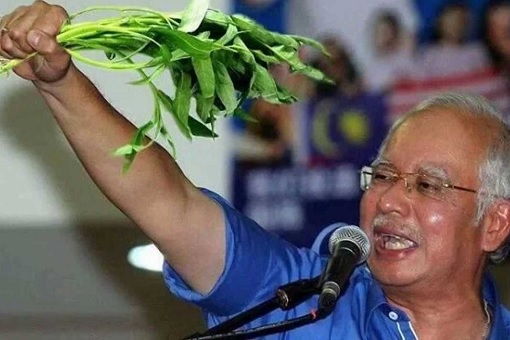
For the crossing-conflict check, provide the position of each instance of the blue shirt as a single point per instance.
(258, 263)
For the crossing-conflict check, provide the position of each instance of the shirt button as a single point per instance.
(393, 316)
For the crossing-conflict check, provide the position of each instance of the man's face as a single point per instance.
(417, 240)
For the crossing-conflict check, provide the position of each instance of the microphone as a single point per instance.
(349, 246)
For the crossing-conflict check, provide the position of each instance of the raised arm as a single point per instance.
(185, 224)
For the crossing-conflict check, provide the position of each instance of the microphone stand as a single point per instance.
(287, 297)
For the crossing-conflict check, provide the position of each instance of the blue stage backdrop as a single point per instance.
(296, 171)
(298, 199)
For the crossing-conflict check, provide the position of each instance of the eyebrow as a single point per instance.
(382, 161)
(435, 170)
(431, 169)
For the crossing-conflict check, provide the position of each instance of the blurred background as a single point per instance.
(63, 246)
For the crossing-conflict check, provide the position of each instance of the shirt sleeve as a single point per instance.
(257, 263)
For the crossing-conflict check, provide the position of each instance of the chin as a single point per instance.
(393, 274)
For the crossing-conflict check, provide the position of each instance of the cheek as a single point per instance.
(435, 220)
(367, 211)
(437, 228)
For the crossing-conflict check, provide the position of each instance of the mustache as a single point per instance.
(406, 228)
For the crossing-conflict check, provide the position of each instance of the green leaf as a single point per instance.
(110, 55)
(292, 58)
(270, 59)
(186, 42)
(199, 129)
(225, 89)
(109, 65)
(204, 35)
(218, 17)
(166, 55)
(145, 80)
(138, 139)
(285, 96)
(169, 106)
(204, 107)
(127, 150)
(228, 36)
(255, 30)
(182, 100)
(205, 74)
(265, 85)
(248, 58)
(311, 42)
(193, 15)
(284, 39)
(163, 131)
(243, 51)
(179, 55)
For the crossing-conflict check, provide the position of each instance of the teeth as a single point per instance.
(394, 242)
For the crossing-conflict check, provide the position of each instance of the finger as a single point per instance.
(17, 27)
(44, 43)
(45, 26)
(52, 20)
(3, 33)
(10, 49)
(47, 47)
(3, 53)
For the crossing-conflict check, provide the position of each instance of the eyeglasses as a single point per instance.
(378, 177)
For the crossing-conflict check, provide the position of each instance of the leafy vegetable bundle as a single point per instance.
(216, 59)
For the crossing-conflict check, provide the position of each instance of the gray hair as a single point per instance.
(494, 171)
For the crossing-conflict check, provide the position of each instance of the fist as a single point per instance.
(30, 32)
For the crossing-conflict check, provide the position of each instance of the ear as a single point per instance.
(496, 225)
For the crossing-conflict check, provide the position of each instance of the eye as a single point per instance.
(430, 185)
(383, 176)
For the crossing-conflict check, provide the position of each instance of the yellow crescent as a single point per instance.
(321, 139)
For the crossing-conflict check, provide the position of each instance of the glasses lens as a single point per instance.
(381, 176)
(430, 186)
(426, 185)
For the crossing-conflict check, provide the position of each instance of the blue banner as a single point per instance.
(297, 201)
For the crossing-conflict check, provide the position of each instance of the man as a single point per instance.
(436, 206)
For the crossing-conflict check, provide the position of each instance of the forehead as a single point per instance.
(440, 138)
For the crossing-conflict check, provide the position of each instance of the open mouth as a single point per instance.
(394, 242)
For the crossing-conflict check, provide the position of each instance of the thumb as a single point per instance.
(43, 43)
(52, 61)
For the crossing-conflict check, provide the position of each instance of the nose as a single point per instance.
(396, 198)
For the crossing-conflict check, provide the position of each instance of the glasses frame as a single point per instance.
(368, 171)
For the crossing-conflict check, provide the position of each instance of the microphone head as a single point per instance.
(353, 234)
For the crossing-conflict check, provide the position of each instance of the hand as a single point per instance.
(34, 28)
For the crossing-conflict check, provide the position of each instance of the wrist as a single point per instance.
(63, 84)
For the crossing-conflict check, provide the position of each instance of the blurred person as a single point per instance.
(268, 140)
(496, 33)
(339, 67)
(450, 52)
(436, 208)
(392, 52)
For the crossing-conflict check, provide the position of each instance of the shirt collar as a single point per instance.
(376, 300)
(490, 294)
